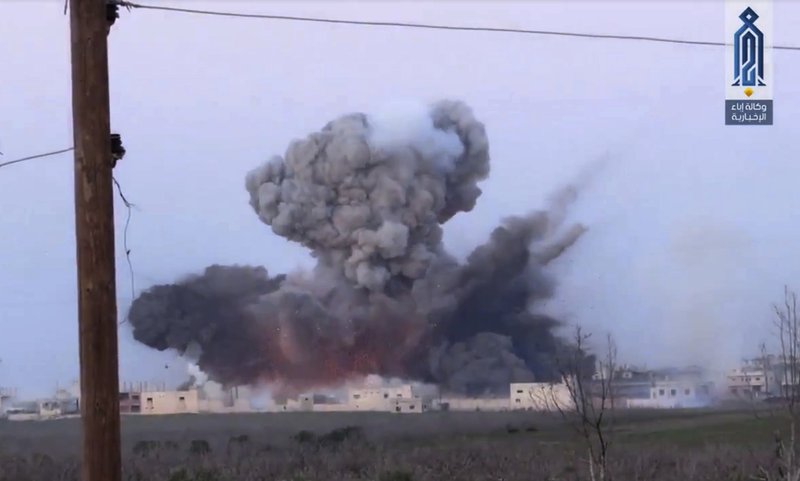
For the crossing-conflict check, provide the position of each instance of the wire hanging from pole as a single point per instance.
(132, 5)
(38, 156)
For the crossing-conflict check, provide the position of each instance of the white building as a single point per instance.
(170, 402)
(674, 394)
(472, 404)
(396, 399)
(378, 398)
(6, 395)
(754, 378)
(540, 396)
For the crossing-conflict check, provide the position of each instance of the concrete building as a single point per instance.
(417, 404)
(43, 409)
(170, 402)
(146, 398)
(471, 404)
(630, 382)
(23, 411)
(234, 400)
(764, 377)
(755, 378)
(6, 396)
(378, 398)
(130, 402)
(537, 396)
(668, 394)
(395, 399)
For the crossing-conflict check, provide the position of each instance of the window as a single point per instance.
(673, 392)
(397, 409)
(411, 408)
(660, 392)
(356, 396)
(758, 379)
(385, 395)
(686, 392)
(517, 401)
(149, 403)
(519, 391)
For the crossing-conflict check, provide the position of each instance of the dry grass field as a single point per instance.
(514, 446)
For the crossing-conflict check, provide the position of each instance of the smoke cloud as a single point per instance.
(368, 195)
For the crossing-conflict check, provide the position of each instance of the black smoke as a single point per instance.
(367, 195)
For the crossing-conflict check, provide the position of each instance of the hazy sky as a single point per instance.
(694, 227)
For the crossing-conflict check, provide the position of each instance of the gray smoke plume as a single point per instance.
(367, 195)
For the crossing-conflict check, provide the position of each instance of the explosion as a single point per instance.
(368, 195)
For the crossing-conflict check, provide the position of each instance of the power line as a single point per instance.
(130, 5)
(38, 156)
(129, 206)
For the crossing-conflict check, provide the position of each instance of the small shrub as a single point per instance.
(305, 437)
(199, 447)
(180, 474)
(144, 448)
(511, 429)
(396, 476)
(241, 439)
(340, 435)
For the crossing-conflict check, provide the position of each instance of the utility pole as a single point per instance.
(94, 230)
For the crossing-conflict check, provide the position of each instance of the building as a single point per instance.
(630, 382)
(395, 399)
(146, 398)
(130, 402)
(58, 407)
(170, 402)
(378, 398)
(540, 396)
(472, 404)
(141, 399)
(659, 388)
(753, 378)
(6, 395)
(416, 404)
(234, 400)
(668, 394)
(23, 411)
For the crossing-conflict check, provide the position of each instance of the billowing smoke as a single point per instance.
(368, 197)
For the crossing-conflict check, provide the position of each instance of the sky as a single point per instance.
(693, 227)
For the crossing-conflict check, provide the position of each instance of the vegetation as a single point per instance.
(514, 446)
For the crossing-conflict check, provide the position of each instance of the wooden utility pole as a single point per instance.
(94, 228)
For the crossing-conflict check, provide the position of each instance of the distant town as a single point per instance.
(762, 379)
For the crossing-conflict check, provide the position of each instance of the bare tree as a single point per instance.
(589, 407)
(788, 333)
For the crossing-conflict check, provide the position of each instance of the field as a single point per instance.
(514, 446)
